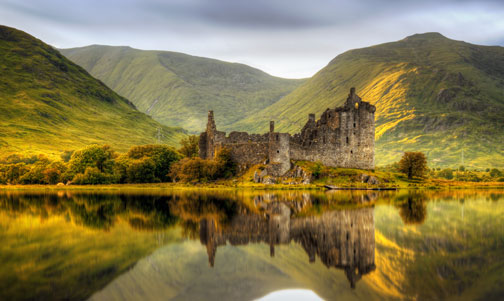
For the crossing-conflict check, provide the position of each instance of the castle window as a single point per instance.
(351, 151)
(354, 125)
(278, 151)
(347, 140)
(278, 137)
(323, 140)
(356, 105)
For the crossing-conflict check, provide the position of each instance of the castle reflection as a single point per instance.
(342, 239)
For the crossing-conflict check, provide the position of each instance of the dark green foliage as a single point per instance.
(495, 173)
(96, 157)
(446, 173)
(161, 157)
(92, 176)
(190, 146)
(142, 171)
(226, 167)
(413, 164)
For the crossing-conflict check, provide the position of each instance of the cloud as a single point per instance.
(290, 38)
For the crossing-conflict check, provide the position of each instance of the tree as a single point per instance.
(414, 210)
(190, 146)
(461, 168)
(413, 164)
(161, 156)
(96, 156)
(494, 173)
(142, 171)
(446, 173)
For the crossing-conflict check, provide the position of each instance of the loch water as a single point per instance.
(248, 245)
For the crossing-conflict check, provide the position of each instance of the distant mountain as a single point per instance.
(432, 94)
(49, 104)
(178, 89)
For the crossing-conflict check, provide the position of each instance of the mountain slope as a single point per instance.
(433, 94)
(49, 104)
(178, 89)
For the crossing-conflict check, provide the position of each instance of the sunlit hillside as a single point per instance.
(49, 104)
(433, 94)
(178, 89)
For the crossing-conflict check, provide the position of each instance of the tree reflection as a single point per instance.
(413, 210)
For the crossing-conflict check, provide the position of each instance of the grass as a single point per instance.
(178, 89)
(432, 94)
(49, 104)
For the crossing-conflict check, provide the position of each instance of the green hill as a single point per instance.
(433, 94)
(178, 89)
(49, 104)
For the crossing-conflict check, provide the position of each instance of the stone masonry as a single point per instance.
(342, 137)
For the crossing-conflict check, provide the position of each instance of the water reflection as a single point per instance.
(342, 239)
(73, 245)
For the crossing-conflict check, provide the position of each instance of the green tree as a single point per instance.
(413, 164)
(446, 173)
(161, 156)
(142, 171)
(190, 146)
(95, 156)
(495, 173)
(461, 168)
(226, 167)
(91, 175)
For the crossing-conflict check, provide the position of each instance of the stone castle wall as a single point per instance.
(342, 137)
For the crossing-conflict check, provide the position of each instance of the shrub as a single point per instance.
(194, 170)
(495, 173)
(190, 146)
(226, 167)
(51, 175)
(91, 175)
(446, 173)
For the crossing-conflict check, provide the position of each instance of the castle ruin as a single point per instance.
(342, 137)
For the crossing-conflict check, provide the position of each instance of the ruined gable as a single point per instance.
(342, 137)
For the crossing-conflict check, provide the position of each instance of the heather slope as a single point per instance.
(178, 89)
(49, 104)
(433, 94)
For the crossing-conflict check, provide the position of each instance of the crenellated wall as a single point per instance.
(342, 137)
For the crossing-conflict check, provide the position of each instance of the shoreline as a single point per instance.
(249, 186)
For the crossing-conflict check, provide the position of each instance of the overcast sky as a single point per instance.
(288, 38)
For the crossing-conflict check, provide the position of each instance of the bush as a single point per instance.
(446, 173)
(91, 175)
(226, 167)
(51, 176)
(194, 170)
(190, 146)
(495, 173)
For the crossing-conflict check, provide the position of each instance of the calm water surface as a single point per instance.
(244, 245)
